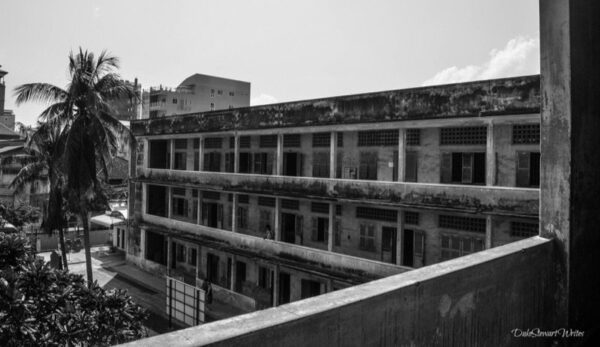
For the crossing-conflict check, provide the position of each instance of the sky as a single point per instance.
(288, 50)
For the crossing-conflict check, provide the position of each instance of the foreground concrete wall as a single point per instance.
(471, 301)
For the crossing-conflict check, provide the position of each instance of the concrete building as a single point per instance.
(354, 188)
(197, 93)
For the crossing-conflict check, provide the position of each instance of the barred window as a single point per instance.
(213, 142)
(411, 217)
(526, 134)
(266, 201)
(268, 141)
(321, 140)
(181, 144)
(211, 195)
(456, 246)
(338, 210)
(340, 139)
(291, 140)
(524, 229)
(290, 204)
(462, 223)
(367, 237)
(463, 136)
(242, 217)
(319, 207)
(179, 191)
(232, 142)
(243, 199)
(196, 144)
(244, 141)
(376, 214)
(413, 137)
(378, 138)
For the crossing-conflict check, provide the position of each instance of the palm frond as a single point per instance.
(42, 92)
(28, 174)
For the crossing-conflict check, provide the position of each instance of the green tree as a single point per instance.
(43, 306)
(19, 215)
(84, 108)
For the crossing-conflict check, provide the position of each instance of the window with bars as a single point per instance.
(456, 246)
(229, 162)
(376, 214)
(243, 199)
(463, 136)
(268, 141)
(208, 195)
(212, 161)
(319, 207)
(320, 167)
(291, 140)
(526, 134)
(263, 163)
(290, 204)
(213, 142)
(413, 137)
(524, 229)
(245, 141)
(367, 238)
(242, 217)
(232, 142)
(340, 139)
(378, 138)
(321, 139)
(411, 217)
(266, 201)
(338, 210)
(462, 223)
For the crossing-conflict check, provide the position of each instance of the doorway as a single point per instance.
(288, 227)
(284, 288)
(388, 244)
(292, 164)
(408, 248)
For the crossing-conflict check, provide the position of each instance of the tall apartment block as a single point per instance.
(197, 93)
(353, 188)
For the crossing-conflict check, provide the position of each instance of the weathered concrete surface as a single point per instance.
(570, 168)
(496, 200)
(517, 95)
(470, 301)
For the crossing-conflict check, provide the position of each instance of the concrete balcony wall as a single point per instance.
(466, 198)
(475, 300)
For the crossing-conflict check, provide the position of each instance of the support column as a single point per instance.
(199, 207)
(234, 211)
(276, 286)
(399, 237)
(233, 276)
(331, 226)
(490, 157)
(171, 154)
(143, 243)
(570, 163)
(401, 155)
(332, 154)
(198, 260)
(279, 170)
(277, 219)
(236, 154)
(488, 232)
(201, 154)
(169, 202)
(169, 254)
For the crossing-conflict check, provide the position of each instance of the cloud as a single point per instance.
(263, 99)
(520, 56)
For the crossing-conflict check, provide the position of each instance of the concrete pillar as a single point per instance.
(236, 154)
(331, 226)
(570, 163)
(234, 212)
(276, 286)
(488, 231)
(279, 170)
(199, 207)
(401, 155)
(399, 237)
(143, 243)
(277, 228)
(169, 254)
(201, 154)
(332, 154)
(233, 275)
(490, 157)
(169, 202)
(198, 260)
(171, 154)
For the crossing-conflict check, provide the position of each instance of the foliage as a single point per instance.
(19, 215)
(43, 306)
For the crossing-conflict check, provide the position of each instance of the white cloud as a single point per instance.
(520, 56)
(263, 99)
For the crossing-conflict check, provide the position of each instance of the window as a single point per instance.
(219, 92)
(245, 141)
(367, 237)
(210, 195)
(179, 203)
(180, 253)
(196, 154)
(264, 277)
(157, 200)
(175, 101)
(319, 207)
(264, 219)
(411, 217)
(232, 142)
(526, 134)
(466, 168)
(340, 139)
(231, 94)
(213, 143)
(413, 137)
(212, 93)
(268, 141)
(290, 204)
(158, 154)
(193, 256)
(180, 155)
(321, 139)
(378, 138)
(309, 288)
(229, 162)
(291, 140)
(320, 227)
(367, 166)
(376, 214)
(212, 161)
(456, 246)
(524, 229)
(242, 198)
(462, 223)
(263, 163)
(412, 168)
(463, 136)
(245, 164)
(212, 106)
(320, 164)
(528, 169)
(242, 217)
(266, 201)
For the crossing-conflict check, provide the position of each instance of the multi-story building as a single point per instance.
(353, 188)
(197, 93)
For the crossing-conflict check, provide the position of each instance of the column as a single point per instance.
(171, 154)
(142, 243)
(199, 206)
(169, 202)
(332, 154)
(277, 219)
(236, 155)
(331, 226)
(234, 211)
(198, 260)
(490, 157)
(279, 170)
(488, 231)
(276, 286)
(201, 153)
(169, 255)
(399, 236)
(401, 155)
(233, 275)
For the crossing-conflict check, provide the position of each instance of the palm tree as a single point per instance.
(92, 131)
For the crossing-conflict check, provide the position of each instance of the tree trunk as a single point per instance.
(61, 239)
(86, 246)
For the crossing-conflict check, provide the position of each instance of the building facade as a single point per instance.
(353, 188)
(197, 93)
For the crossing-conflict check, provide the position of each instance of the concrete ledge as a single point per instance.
(451, 303)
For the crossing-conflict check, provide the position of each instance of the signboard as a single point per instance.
(185, 302)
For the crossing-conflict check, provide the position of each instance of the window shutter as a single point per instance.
(446, 168)
(523, 169)
(371, 238)
(467, 168)
(206, 162)
(411, 166)
(395, 168)
(299, 227)
(270, 159)
(204, 214)
(315, 229)
(337, 232)
(419, 248)
(257, 163)
(299, 164)
(217, 160)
